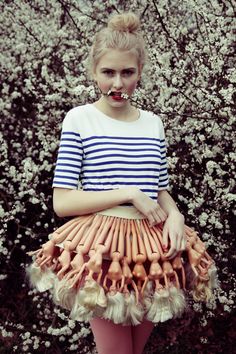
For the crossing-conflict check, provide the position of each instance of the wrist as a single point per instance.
(176, 213)
(131, 194)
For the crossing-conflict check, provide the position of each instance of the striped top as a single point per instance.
(99, 153)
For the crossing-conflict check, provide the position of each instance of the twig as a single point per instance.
(163, 24)
(204, 20)
(199, 29)
(231, 3)
(90, 16)
(143, 13)
(23, 24)
(12, 327)
(70, 16)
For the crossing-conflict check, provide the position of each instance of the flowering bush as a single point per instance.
(189, 81)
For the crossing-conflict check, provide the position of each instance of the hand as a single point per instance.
(148, 207)
(173, 234)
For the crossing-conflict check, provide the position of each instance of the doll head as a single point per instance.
(92, 295)
(122, 33)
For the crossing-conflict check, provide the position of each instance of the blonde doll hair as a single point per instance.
(121, 33)
(202, 291)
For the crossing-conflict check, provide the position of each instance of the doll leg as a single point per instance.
(140, 334)
(111, 338)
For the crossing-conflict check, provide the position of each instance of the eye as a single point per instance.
(108, 72)
(127, 72)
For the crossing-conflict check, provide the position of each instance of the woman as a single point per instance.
(124, 249)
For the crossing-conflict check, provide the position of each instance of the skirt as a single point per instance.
(112, 265)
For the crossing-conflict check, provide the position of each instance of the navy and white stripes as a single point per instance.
(107, 161)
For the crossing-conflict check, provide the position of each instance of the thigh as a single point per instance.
(111, 338)
(140, 335)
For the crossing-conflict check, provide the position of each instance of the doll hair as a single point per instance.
(62, 295)
(177, 301)
(133, 312)
(202, 291)
(90, 301)
(40, 277)
(160, 310)
(122, 33)
(115, 310)
(92, 295)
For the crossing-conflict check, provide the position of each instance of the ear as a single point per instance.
(94, 77)
(93, 73)
(140, 70)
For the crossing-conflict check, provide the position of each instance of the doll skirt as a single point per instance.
(112, 265)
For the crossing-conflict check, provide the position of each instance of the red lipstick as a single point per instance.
(117, 96)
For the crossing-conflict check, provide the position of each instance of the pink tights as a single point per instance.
(118, 339)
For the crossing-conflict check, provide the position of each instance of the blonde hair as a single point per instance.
(202, 291)
(122, 33)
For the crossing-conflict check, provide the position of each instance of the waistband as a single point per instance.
(127, 212)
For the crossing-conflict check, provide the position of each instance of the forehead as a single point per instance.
(118, 60)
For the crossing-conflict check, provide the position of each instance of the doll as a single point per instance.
(134, 309)
(116, 304)
(139, 256)
(159, 307)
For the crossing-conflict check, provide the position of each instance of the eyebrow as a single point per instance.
(121, 70)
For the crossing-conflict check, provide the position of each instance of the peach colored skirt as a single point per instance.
(112, 265)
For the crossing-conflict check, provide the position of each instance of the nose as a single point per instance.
(117, 82)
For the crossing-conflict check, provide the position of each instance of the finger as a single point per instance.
(154, 218)
(183, 244)
(172, 253)
(152, 221)
(178, 239)
(161, 213)
(158, 214)
(173, 246)
(165, 238)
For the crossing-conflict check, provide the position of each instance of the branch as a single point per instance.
(70, 16)
(78, 9)
(207, 32)
(231, 3)
(143, 13)
(23, 24)
(199, 28)
(163, 24)
(90, 16)
(4, 198)
(13, 328)
(192, 114)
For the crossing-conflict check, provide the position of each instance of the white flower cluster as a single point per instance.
(189, 81)
(5, 333)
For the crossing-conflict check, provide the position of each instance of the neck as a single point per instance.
(120, 113)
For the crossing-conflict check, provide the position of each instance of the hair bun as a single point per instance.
(127, 22)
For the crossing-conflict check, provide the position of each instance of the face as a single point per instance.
(117, 72)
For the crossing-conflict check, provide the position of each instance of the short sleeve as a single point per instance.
(163, 172)
(70, 155)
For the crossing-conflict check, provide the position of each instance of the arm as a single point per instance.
(173, 230)
(167, 202)
(71, 202)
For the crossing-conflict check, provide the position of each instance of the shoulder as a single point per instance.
(76, 112)
(152, 122)
(152, 118)
(75, 117)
